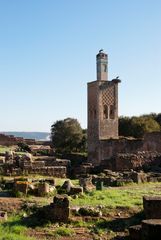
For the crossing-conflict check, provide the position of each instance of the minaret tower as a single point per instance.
(102, 66)
(102, 108)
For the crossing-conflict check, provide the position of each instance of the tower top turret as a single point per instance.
(101, 54)
(102, 65)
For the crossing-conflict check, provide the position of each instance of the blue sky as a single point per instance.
(47, 56)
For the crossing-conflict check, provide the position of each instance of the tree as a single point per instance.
(138, 126)
(155, 116)
(125, 126)
(142, 125)
(67, 135)
(23, 147)
(158, 118)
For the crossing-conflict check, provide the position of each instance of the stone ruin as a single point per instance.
(150, 228)
(42, 187)
(86, 183)
(70, 189)
(10, 140)
(13, 164)
(58, 210)
(109, 178)
(45, 188)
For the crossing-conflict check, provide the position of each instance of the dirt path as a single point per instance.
(10, 205)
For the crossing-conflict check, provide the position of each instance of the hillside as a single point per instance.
(30, 135)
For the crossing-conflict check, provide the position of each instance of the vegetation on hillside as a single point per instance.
(138, 126)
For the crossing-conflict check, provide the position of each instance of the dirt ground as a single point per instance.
(120, 215)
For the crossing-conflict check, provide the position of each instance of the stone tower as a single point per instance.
(102, 109)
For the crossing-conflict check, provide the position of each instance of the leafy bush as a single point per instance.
(24, 147)
(63, 231)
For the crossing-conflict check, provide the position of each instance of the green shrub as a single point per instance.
(18, 194)
(63, 231)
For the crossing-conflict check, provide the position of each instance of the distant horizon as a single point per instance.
(32, 131)
(25, 131)
(40, 136)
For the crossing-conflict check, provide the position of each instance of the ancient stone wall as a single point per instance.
(128, 153)
(9, 140)
(141, 160)
(152, 142)
(56, 171)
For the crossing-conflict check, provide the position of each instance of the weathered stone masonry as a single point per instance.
(104, 145)
(102, 109)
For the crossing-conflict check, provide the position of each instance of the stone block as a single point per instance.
(135, 232)
(67, 185)
(61, 200)
(21, 187)
(43, 189)
(76, 190)
(152, 207)
(151, 229)
(58, 211)
(86, 183)
(90, 211)
(139, 177)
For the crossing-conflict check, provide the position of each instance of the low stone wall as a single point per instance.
(9, 140)
(56, 171)
(82, 169)
(137, 161)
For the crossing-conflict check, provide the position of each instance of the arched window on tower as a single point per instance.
(105, 68)
(95, 114)
(112, 112)
(105, 111)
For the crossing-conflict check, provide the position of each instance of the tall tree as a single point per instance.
(67, 135)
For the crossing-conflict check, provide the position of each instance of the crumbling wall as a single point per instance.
(128, 153)
(137, 161)
(152, 142)
(56, 171)
(9, 140)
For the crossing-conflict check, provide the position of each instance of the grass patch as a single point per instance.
(63, 231)
(3, 149)
(127, 197)
(60, 181)
(13, 230)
